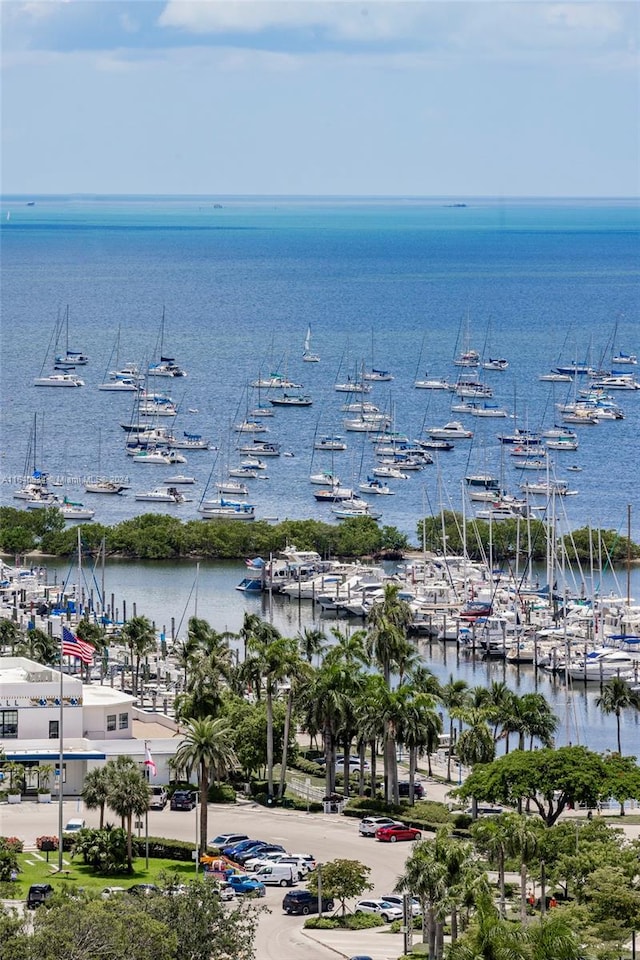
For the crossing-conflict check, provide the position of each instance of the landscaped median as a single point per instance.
(425, 815)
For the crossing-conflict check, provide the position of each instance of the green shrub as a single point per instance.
(221, 793)
(352, 921)
(462, 821)
(322, 923)
(307, 766)
(162, 849)
(396, 925)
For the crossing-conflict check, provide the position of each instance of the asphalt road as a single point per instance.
(280, 937)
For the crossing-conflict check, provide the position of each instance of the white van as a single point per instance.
(280, 874)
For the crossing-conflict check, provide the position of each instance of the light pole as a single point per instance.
(319, 869)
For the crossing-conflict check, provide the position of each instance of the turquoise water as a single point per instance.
(402, 284)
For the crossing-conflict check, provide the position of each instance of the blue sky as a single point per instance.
(305, 97)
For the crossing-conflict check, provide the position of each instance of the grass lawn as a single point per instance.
(76, 874)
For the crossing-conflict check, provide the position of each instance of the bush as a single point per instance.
(15, 844)
(162, 849)
(352, 921)
(221, 793)
(307, 767)
(462, 821)
(396, 925)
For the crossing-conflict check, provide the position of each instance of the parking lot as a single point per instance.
(280, 937)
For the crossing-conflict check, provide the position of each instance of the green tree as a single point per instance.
(549, 779)
(454, 697)
(491, 836)
(95, 790)
(523, 842)
(139, 637)
(425, 877)
(617, 696)
(10, 634)
(341, 880)
(39, 646)
(128, 796)
(207, 748)
(105, 850)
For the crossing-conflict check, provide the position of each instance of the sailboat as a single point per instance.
(70, 358)
(165, 366)
(307, 355)
(119, 381)
(100, 484)
(376, 375)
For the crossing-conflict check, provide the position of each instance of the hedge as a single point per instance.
(162, 849)
(352, 921)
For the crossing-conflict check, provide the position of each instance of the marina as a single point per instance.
(364, 413)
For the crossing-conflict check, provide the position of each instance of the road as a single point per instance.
(280, 937)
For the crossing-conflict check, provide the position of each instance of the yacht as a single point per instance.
(603, 664)
(374, 485)
(102, 485)
(330, 443)
(164, 494)
(222, 509)
(452, 430)
(59, 380)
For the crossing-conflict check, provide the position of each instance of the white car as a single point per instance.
(256, 862)
(383, 908)
(368, 825)
(397, 901)
(74, 825)
(301, 865)
(226, 892)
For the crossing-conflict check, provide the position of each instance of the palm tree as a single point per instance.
(454, 696)
(311, 643)
(616, 696)
(420, 727)
(325, 713)
(490, 938)
(140, 638)
(298, 673)
(476, 744)
(424, 877)
(10, 634)
(39, 646)
(128, 796)
(492, 838)
(207, 747)
(524, 837)
(388, 645)
(95, 791)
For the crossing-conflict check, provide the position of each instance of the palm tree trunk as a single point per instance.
(102, 806)
(346, 746)
(412, 773)
(450, 753)
(439, 939)
(503, 904)
(374, 766)
(328, 762)
(129, 843)
(269, 740)
(432, 933)
(523, 891)
(285, 744)
(361, 755)
(204, 810)
(618, 732)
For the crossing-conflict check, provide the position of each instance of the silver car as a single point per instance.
(368, 826)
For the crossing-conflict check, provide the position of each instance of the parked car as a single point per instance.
(75, 824)
(277, 874)
(419, 793)
(262, 860)
(304, 902)
(113, 891)
(158, 799)
(38, 895)
(143, 889)
(233, 848)
(301, 865)
(397, 901)
(368, 825)
(226, 839)
(386, 910)
(257, 851)
(241, 884)
(226, 891)
(183, 800)
(397, 832)
(485, 810)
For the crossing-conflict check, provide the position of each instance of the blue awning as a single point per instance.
(20, 757)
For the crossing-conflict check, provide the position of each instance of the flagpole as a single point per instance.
(60, 762)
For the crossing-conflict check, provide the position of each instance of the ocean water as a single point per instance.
(403, 285)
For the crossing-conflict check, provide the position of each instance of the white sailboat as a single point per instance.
(70, 358)
(308, 356)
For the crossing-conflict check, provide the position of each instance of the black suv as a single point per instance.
(418, 790)
(38, 894)
(301, 901)
(183, 800)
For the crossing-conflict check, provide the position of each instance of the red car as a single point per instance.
(397, 832)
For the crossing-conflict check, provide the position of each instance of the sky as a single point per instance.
(304, 97)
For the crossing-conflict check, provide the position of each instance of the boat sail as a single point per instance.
(70, 358)
(308, 356)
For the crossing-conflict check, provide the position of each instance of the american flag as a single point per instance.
(73, 646)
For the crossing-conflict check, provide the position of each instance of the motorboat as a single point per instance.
(164, 494)
(354, 507)
(325, 479)
(103, 485)
(374, 485)
(603, 664)
(495, 364)
(333, 495)
(222, 509)
(452, 430)
(624, 381)
(234, 487)
(436, 383)
(158, 457)
(179, 478)
(275, 381)
(377, 376)
(562, 444)
(158, 408)
(555, 377)
(120, 385)
(291, 400)
(546, 489)
(390, 472)
(71, 510)
(352, 386)
(250, 426)
(488, 410)
(262, 447)
(483, 480)
(188, 441)
(330, 443)
(469, 358)
(59, 380)
(166, 367)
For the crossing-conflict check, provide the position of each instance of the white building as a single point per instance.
(98, 723)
